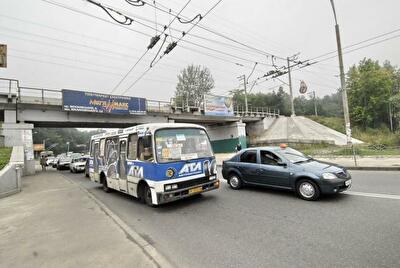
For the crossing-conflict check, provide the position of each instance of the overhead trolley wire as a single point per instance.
(222, 35)
(176, 42)
(147, 50)
(93, 16)
(130, 29)
(362, 42)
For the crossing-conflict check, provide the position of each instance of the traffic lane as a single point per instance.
(260, 227)
(382, 182)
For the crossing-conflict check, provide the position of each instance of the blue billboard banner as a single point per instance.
(81, 101)
(218, 105)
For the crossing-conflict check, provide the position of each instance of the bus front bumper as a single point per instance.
(166, 197)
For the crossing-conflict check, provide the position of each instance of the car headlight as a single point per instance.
(329, 176)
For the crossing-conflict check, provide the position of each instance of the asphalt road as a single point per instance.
(268, 228)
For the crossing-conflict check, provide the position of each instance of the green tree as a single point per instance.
(369, 88)
(193, 83)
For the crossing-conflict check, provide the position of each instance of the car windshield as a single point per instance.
(294, 156)
(181, 144)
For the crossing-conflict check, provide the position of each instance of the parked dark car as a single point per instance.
(285, 168)
(63, 162)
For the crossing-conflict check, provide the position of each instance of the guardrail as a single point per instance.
(33, 95)
(255, 111)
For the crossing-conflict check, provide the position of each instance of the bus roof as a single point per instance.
(152, 127)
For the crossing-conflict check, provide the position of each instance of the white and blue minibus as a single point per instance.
(157, 163)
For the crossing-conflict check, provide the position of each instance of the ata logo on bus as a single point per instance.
(136, 171)
(190, 168)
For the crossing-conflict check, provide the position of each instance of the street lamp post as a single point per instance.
(342, 79)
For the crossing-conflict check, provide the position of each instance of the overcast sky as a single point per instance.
(53, 47)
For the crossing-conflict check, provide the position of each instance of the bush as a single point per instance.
(335, 123)
(381, 135)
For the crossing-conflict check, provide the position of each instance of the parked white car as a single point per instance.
(50, 160)
(78, 164)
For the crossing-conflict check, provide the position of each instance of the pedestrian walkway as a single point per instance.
(54, 223)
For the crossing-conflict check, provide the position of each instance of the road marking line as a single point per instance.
(385, 196)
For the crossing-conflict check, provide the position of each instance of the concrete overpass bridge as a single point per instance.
(23, 108)
(43, 108)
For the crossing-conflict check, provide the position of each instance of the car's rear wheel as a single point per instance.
(308, 190)
(235, 182)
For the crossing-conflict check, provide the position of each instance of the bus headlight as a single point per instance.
(213, 168)
(169, 187)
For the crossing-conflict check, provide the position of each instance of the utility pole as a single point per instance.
(243, 77)
(315, 104)
(290, 88)
(342, 79)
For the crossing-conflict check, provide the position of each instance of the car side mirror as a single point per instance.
(282, 164)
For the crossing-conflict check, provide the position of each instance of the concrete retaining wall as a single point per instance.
(258, 128)
(224, 138)
(10, 175)
(20, 135)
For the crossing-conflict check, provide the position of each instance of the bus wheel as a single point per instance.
(105, 186)
(147, 195)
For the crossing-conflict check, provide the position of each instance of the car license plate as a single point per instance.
(347, 183)
(196, 190)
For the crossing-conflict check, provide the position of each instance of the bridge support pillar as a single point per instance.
(19, 135)
(224, 138)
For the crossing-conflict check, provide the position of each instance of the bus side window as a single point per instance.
(145, 151)
(132, 146)
(102, 144)
(92, 148)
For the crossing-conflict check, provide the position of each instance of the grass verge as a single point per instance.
(5, 154)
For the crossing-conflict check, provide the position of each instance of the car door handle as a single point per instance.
(259, 170)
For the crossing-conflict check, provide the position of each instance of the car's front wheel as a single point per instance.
(235, 182)
(307, 190)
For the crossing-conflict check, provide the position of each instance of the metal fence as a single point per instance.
(255, 111)
(355, 152)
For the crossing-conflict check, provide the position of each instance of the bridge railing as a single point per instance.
(158, 106)
(9, 87)
(40, 96)
(240, 110)
(45, 96)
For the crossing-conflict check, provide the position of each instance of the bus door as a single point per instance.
(123, 185)
(96, 159)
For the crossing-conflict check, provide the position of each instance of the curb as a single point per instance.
(150, 251)
(363, 168)
(374, 168)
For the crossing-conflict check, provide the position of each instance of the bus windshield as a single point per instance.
(181, 144)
